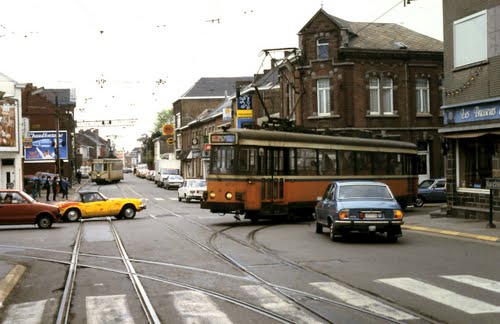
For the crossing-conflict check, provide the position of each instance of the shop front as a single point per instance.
(471, 143)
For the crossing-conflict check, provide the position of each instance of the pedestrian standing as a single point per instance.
(64, 187)
(38, 188)
(55, 188)
(46, 186)
(79, 176)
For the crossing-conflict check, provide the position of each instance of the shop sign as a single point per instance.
(472, 113)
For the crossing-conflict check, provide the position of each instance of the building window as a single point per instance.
(322, 48)
(323, 93)
(475, 161)
(291, 101)
(178, 120)
(470, 39)
(422, 96)
(381, 93)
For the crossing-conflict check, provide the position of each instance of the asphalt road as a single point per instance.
(183, 264)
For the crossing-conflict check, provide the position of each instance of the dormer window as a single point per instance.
(322, 48)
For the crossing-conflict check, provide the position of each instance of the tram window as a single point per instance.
(247, 163)
(307, 163)
(346, 162)
(395, 166)
(222, 159)
(328, 162)
(379, 163)
(363, 163)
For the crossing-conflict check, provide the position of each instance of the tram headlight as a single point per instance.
(212, 195)
(229, 196)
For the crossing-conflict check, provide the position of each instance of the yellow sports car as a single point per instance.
(95, 204)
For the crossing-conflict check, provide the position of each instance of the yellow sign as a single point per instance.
(168, 129)
(170, 140)
(244, 113)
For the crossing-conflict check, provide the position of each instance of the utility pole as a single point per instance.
(58, 160)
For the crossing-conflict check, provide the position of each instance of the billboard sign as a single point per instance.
(43, 145)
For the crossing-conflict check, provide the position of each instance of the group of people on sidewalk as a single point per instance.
(56, 186)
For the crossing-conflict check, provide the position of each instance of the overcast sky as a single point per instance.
(132, 45)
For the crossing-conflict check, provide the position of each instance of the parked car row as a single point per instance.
(187, 189)
(17, 208)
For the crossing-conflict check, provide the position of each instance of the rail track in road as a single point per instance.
(306, 302)
(285, 292)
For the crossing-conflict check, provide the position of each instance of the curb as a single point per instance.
(9, 282)
(452, 233)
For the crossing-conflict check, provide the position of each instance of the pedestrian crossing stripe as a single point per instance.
(442, 296)
(274, 303)
(108, 309)
(196, 307)
(26, 313)
(477, 282)
(354, 298)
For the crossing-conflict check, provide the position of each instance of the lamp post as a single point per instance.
(58, 160)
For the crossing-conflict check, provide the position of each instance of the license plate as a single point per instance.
(372, 228)
(372, 215)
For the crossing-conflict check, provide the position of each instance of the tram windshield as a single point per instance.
(222, 160)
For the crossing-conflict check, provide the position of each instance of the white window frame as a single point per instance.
(470, 39)
(322, 48)
(422, 93)
(323, 97)
(381, 91)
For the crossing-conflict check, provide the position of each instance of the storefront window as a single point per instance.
(475, 161)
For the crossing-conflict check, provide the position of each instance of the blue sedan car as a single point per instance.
(359, 206)
(431, 191)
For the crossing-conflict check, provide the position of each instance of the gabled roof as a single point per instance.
(381, 36)
(214, 87)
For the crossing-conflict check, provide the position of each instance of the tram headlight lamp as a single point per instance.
(229, 196)
(212, 195)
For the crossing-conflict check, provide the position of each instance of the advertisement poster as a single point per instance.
(7, 124)
(43, 145)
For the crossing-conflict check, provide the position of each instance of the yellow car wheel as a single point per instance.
(73, 215)
(128, 212)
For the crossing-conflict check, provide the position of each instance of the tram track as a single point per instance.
(212, 248)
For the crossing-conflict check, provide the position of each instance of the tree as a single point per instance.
(166, 116)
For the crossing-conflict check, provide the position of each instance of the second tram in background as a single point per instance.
(106, 171)
(266, 174)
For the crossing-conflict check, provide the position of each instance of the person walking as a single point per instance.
(46, 186)
(64, 187)
(55, 188)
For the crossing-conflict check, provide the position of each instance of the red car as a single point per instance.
(17, 207)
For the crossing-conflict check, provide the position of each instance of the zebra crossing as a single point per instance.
(196, 307)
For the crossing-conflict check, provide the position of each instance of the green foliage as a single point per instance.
(166, 116)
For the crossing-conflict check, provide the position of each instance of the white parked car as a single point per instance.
(192, 189)
(173, 181)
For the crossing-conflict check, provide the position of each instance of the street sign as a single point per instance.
(170, 140)
(492, 183)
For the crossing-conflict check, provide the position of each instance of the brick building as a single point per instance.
(472, 106)
(50, 112)
(376, 79)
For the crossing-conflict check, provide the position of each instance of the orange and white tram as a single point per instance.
(266, 174)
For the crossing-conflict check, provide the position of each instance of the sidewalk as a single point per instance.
(467, 228)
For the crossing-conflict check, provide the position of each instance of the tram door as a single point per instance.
(272, 165)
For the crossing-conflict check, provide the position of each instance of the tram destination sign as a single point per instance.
(223, 138)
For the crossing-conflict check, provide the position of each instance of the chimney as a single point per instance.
(344, 37)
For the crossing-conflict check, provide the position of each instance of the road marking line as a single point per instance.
(9, 281)
(442, 296)
(108, 309)
(354, 298)
(276, 304)
(196, 307)
(159, 199)
(477, 282)
(452, 233)
(25, 313)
